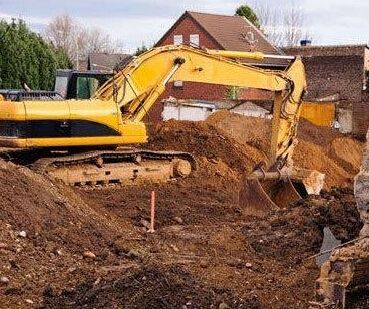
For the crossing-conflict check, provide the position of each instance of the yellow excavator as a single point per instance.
(82, 136)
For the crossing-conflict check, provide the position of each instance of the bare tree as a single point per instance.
(62, 32)
(294, 25)
(284, 25)
(77, 40)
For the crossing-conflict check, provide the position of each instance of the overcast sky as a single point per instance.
(133, 22)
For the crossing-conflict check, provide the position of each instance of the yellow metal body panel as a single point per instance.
(12, 111)
(318, 113)
(102, 112)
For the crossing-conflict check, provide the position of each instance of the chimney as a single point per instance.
(305, 42)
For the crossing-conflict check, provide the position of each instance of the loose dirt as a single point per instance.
(91, 249)
(320, 148)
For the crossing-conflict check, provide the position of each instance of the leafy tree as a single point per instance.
(248, 12)
(26, 58)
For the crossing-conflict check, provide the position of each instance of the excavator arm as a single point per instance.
(138, 86)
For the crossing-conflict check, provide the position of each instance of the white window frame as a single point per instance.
(177, 39)
(195, 39)
(178, 84)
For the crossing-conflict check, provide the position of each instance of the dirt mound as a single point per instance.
(152, 287)
(45, 229)
(320, 148)
(348, 152)
(206, 141)
(311, 156)
(253, 131)
(318, 135)
(297, 232)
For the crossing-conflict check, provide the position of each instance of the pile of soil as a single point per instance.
(321, 148)
(205, 141)
(301, 225)
(153, 286)
(45, 230)
(347, 152)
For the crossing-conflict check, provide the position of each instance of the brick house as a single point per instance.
(341, 72)
(215, 32)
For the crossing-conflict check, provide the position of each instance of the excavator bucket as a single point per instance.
(262, 192)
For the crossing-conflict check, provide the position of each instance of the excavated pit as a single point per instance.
(91, 249)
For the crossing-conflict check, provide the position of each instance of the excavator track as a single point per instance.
(124, 166)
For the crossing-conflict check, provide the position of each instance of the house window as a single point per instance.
(195, 39)
(178, 84)
(177, 39)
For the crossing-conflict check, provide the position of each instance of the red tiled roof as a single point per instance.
(233, 33)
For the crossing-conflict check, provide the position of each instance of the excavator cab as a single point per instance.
(72, 84)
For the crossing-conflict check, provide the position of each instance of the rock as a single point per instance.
(145, 223)
(136, 253)
(204, 264)
(175, 248)
(178, 220)
(223, 306)
(4, 280)
(71, 269)
(236, 263)
(29, 301)
(13, 264)
(3, 246)
(88, 254)
(121, 246)
(248, 265)
(22, 234)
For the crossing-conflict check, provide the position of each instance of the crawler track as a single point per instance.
(105, 167)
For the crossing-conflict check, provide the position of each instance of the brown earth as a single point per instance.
(320, 148)
(205, 252)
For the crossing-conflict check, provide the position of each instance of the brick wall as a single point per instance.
(327, 75)
(186, 27)
(339, 69)
(361, 115)
(191, 90)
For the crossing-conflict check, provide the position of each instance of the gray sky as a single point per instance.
(133, 22)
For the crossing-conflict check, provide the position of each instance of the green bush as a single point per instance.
(26, 58)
